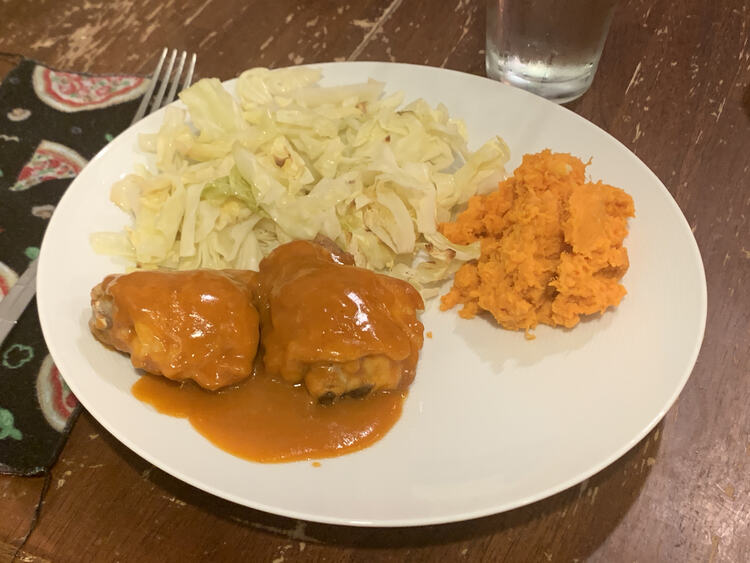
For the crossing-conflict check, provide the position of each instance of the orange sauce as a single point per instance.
(266, 420)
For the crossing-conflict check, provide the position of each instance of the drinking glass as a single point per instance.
(548, 47)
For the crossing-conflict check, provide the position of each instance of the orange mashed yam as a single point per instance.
(551, 246)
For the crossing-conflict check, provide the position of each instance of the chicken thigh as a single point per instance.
(339, 329)
(198, 325)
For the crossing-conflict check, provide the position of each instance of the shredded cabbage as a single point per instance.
(287, 159)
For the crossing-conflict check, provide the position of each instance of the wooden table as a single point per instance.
(673, 86)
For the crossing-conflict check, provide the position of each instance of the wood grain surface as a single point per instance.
(673, 86)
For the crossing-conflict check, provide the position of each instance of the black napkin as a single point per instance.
(51, 124)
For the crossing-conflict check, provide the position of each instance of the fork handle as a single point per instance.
(17, 299)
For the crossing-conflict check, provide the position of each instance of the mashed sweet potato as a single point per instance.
(551, 246)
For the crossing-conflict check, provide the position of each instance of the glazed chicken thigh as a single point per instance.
(339, 329)
(198, 325)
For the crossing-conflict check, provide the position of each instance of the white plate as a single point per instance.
(492, 421)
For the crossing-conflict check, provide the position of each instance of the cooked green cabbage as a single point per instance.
(288, 159)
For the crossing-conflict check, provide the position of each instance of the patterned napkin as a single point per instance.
(51, 124)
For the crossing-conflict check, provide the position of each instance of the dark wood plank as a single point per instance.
(19, 497)
(445, 34)
(228, 36)
(10, 553)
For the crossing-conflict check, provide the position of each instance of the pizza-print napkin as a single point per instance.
(51, 124)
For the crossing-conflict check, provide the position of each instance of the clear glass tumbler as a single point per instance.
(548, 47)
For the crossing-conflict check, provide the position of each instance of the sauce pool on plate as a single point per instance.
(266, 420)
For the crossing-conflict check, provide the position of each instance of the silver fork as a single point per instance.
(22, 292)
(168, 78)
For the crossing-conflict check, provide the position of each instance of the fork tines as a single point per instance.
(170, 77)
